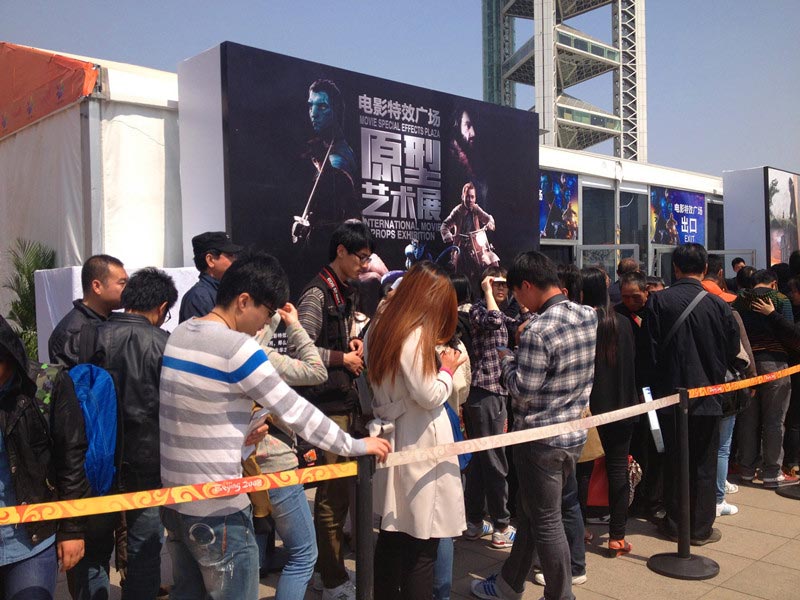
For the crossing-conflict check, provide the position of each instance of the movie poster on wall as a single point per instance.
(783, 214)
(558, 205)
(677, 216)
(434, 176)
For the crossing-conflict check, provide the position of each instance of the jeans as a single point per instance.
(616, 440)
(295, 527)
(725, 438)
(485, 414)
(145, 537)
(213, 557)
(543, 472)
(404, 566)
(31, 579)
(443, 570)
(572, 516)
(761, 423)
(331, 504)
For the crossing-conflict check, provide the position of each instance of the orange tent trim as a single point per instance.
(35, 83)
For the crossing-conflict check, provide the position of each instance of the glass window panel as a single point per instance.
(598, 216)
(633, 220)
(716, 227)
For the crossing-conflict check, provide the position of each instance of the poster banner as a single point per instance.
(434, 176)
(677, 217)
(783, 211)
(558, 205)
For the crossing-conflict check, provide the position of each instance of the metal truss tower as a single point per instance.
(558, 57)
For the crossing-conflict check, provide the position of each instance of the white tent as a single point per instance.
(98, 174)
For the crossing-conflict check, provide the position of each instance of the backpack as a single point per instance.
(97, 397)
(95, 392)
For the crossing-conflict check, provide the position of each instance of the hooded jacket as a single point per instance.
(45, 441)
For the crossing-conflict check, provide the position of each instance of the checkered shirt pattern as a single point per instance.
(550, 377)
(488, 332)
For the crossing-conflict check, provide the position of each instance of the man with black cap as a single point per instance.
(214, 252)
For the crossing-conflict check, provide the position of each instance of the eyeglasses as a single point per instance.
(500, 284)
(362, 258)
(271, 311)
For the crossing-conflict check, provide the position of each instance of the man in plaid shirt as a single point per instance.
(485, 414)
(549, 380)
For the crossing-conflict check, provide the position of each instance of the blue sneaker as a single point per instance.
(476, 531)
(487, 589)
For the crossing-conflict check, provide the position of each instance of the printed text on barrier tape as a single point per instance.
(710, 390)
(66, 509)
(527, 435)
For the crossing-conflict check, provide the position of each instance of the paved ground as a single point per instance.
(759, 557)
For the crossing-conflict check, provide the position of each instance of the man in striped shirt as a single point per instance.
(213, 372)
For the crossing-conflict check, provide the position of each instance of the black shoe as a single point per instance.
(716, 535)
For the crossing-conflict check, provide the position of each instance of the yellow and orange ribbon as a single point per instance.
(64, 509)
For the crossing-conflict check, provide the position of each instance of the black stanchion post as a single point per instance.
(683, 564)
(364, 540)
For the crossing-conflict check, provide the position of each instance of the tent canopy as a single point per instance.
(37, 83)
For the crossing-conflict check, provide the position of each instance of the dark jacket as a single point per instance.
(338, 394)
(200, 299)
(64, 343)
(615, 385)
(131, 349)
(700, 351)
(764, 339)
(45, 442)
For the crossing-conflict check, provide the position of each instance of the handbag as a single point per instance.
(598, 484)
(458, 435)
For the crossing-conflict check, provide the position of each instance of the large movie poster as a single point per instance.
(677, 217)
(558, 205)
(783, 222)
(434, 176)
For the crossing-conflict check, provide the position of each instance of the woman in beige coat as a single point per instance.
(421, 502)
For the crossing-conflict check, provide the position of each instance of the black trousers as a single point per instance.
(703, 450)
(616, 440)
(404, 566)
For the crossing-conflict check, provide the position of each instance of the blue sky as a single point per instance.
(723, 76)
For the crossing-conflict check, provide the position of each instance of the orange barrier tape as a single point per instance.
(710, 390)
(65, 509)
(12, 515)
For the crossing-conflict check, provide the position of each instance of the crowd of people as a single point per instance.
(542, 345)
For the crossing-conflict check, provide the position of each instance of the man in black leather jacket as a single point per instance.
(130, 346)
(103, 278)
(44, 447)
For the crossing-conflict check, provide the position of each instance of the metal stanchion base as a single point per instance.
(789, 491)
(694, 567)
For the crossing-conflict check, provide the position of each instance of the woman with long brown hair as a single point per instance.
(422, 502)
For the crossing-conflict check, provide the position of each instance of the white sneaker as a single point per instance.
(725, 509)
(316, 579)
(576, 579)
(475, 531)
(731, 488)
(505, 538)
(346, 591)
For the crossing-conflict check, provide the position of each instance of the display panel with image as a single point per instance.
(677, 216)
(783, 212)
